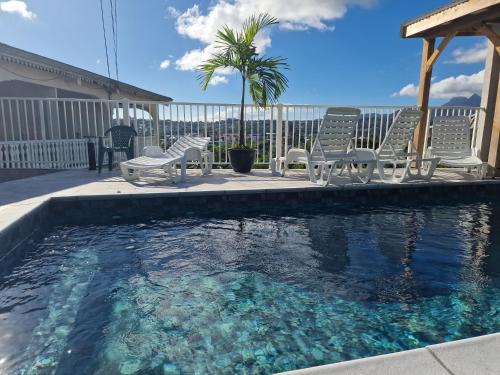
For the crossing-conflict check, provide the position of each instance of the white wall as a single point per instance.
(16, 72)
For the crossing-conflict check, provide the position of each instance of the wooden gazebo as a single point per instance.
(463, 18)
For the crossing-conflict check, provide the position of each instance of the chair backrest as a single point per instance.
(121, 136)
(185, 143)
(395, 143)
(451, 136)
(335, 133)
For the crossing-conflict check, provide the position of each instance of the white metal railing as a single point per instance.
(301, 123)
(45, 154)
(28, 125)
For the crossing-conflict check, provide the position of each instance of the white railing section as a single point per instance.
(50, 133)
(45, 154)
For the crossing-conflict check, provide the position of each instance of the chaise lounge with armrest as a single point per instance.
(451, 141)
(185, 149)
(333, 150)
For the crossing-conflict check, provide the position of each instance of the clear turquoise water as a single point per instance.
(253, 294)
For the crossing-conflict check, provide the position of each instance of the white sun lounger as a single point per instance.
(396, 150)
(185, 149)
(451, 141)
(333, 151)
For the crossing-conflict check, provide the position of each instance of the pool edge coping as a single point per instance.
(457, 357)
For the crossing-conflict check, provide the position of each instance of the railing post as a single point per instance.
(427, 128)
(279, 131)
(287, 130)
(205, 118)
(42, 119)
(271, 131)
(126, 114)
(43, 149)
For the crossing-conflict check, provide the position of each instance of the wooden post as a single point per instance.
(494, 154)
(488, 101)
(424, 89)
(437, 52)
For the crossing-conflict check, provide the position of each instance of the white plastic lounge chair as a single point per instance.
(332, 150)
(451, 141)
(396, 150)
(185, 149)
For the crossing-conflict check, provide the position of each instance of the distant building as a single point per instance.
(25, 74)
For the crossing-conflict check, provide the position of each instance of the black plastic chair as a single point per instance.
(122, 137)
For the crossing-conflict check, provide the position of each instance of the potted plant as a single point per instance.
(236, 50)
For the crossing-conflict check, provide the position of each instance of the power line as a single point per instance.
(116, 41)
(114, 27)
(105, 40)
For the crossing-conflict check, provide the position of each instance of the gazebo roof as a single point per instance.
(465, 17)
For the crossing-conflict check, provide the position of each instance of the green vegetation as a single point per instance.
(236, 50)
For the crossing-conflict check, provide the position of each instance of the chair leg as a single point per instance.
(183, 169)
(283, 166)
(381, 171)
(361, 174)
(310, 170)
(110, 160)
(130, 152)
(100, 160)
(171, 170)
(130, 174)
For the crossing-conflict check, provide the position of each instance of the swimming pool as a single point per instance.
(250, 293)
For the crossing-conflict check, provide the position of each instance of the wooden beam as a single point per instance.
(448, 15)
(438, 51)
(465, 23)
(424, 89)
(491, 35)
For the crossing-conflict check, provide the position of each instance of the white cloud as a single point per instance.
(471, 55)
(17, 6)
(173, 12)
(217, 80)
(164, 64)
(409, 90)
(293, 15)
(462, 85)
(192, 59)
(98, 61)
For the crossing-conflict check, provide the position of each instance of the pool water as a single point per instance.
(250, 294)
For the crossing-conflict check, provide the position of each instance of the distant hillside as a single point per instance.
(461, 101)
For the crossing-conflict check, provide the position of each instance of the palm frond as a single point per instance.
(208, 68)
(254, 24)
(267, 83)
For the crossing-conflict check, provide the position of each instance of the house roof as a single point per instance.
(463, 16)
(32, 60)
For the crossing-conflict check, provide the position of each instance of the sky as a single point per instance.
(339, 51)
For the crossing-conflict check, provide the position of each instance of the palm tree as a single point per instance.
(236, 50)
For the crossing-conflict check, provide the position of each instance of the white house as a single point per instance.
(26, 74)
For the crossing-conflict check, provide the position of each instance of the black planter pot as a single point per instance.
(242, 160)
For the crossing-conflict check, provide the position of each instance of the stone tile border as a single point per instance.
(102, 209)
(27, 226)
(115, 207)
